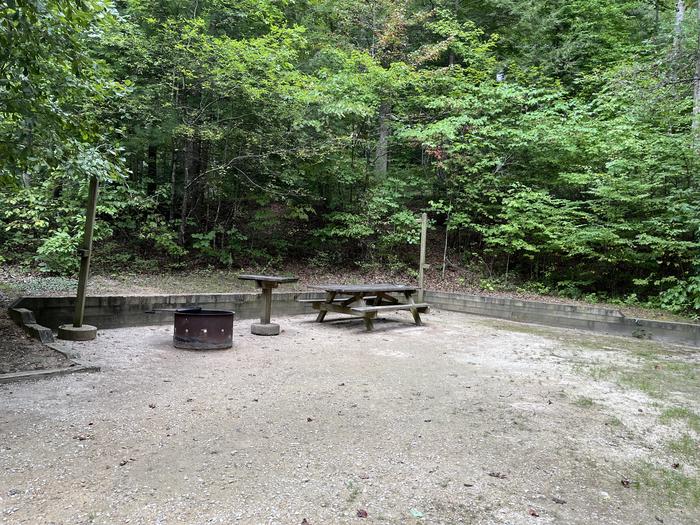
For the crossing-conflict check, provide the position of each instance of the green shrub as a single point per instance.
(58, 254)
(220, 245)
(683, 296)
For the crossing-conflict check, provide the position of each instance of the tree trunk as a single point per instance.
(183, 209)
(381, 159)
(134, 166)
(173, 172)
(189, 164)
(656, 15)
(677, 35)
(152, 170)
(455, 9)
(696, 92)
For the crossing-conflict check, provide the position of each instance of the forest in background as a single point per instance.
(554, 143)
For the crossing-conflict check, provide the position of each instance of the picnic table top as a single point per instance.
(268, 278)
(365, 288)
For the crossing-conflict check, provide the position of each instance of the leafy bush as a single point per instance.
(156, 230)
(220, 245)
(534, 287)
(495, 284)
(58, 254)
(323, 260)
(683, 296)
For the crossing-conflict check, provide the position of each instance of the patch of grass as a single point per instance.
(614, 422)
(685, 371)
(651, 350)
(658, 372)
(682, 413)
(642, 381)
(354, 491)
(687, 447)
(602, 373)
(40, 285)
(598, 372)
(596, 345)
(584, 402)
(521, 328)
(657, 378)
(674, 487)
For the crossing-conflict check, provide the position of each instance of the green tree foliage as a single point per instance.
(54, 134)
(51, 87)
(551, 139)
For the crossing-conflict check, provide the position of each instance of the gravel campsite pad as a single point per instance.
(464, 420)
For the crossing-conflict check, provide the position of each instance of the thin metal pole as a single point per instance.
(423, 235)
(85, 253)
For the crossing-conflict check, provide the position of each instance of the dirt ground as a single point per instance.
(465, 420)
(19, 352)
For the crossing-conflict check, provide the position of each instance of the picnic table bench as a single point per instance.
(366, 301)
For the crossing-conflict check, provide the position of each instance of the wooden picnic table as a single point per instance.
(366, 301)
(266, 283)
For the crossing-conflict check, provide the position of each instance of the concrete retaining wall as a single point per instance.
(25, 318)
(120, 311)
(601, 320)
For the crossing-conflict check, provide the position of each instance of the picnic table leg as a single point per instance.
(267, 305)
(414, 311)
(321, 312)
(369, 324)
(385, 297)
(265, 327)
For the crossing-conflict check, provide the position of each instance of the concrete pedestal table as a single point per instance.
(266, 283)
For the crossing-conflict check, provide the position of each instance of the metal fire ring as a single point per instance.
(197, 329)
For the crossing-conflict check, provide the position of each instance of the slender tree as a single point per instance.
(696, 90)
(678, 30)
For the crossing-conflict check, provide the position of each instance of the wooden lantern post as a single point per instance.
(79, 331)
(423, 266)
